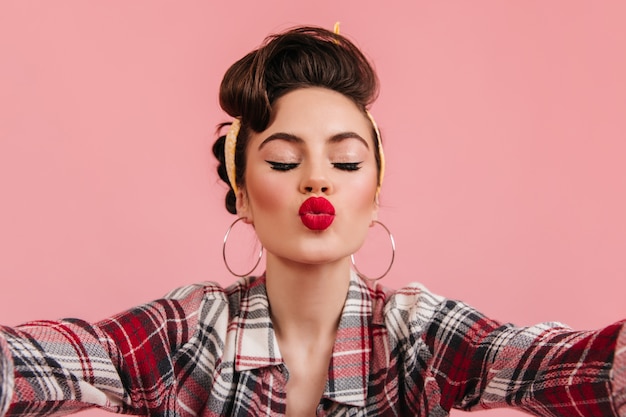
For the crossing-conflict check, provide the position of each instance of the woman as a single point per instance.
(304, 161)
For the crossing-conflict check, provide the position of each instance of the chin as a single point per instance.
(312, 258)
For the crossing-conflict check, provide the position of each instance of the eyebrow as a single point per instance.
(288, 137)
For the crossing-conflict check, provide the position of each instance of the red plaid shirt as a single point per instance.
(205, 350)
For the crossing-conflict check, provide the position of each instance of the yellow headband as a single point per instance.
(381, 154)
(231, 144)
(229, 153)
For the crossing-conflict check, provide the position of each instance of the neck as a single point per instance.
(306, 301)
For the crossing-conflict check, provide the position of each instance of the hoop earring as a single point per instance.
(224, 252)
(393, 255)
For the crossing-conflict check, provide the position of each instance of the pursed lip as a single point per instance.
(317, 213)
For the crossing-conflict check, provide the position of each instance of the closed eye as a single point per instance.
(282, 166)
(347, 166)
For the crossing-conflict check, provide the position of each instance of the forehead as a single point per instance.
(317, 112)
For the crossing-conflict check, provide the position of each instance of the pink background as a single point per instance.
(504, 125)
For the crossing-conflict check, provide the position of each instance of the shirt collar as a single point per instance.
(348, 376)
(256, 343)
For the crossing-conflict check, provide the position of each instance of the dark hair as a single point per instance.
(298, 58)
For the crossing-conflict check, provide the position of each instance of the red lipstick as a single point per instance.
(317, 213)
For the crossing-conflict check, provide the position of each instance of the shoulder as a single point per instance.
(184, 311)
(413, 311)
(412, 295)
(214, 291)
(412, 299)
(189, 304)
(212, 298)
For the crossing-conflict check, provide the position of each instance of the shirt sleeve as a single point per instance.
(619, 374)
(546, 370)
(6, 376)
(122, 364)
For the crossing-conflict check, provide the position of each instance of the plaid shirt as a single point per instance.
(205, 350)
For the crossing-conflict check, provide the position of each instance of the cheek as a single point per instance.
(265, 193)
(363, 192)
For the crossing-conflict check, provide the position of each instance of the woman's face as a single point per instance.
(318, 144)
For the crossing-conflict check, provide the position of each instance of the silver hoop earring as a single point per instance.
(393, 255)
(224, 252)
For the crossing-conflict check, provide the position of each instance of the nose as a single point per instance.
(315, 181)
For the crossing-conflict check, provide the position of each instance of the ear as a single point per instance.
(375, 207)
(243, 206)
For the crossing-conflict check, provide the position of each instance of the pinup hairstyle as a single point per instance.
(298, 58)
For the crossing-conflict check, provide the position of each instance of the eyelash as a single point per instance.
(285, 166)
(282, 166)
(348, 166)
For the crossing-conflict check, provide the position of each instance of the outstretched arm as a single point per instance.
(123, 364)
(546, 370)
(456, 357)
